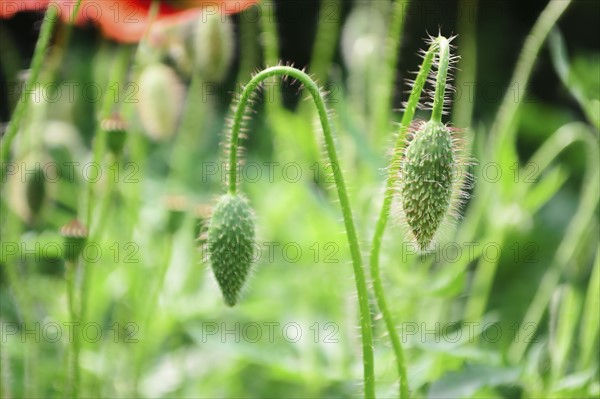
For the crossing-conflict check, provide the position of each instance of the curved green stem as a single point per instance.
(407, 118)
(533, 44)
(566, 251)
(73, 359)
(361, 286)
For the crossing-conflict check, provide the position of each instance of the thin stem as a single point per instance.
(36, 65)
(407, 118)
(249, 50)
(501, 146)
(73, 359)
(590, 320)
(467, 26)
(576, 229)
(510, 105)
(388, 81)
(324, 45)
(5, 371)
(325, 39)
(268, 22)
(440, 81)
(149, 306)
(117, 75)
(98, 149)
(361, 286)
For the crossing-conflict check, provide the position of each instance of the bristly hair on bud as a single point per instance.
(430, 180)
(231, 244)
(433, 164)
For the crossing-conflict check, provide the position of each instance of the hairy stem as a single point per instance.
(440, 81)
(407, 118)
(361, 286)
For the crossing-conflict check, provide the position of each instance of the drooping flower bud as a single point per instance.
(161, 100)
(231, 244)
(427, 181)
(75, 235)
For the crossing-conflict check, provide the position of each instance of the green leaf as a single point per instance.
(574, 82)
(539, 194)
(467, 382)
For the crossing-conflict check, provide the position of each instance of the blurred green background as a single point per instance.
(506, 306)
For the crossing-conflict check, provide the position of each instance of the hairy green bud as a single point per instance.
(230, 244)
(427, 180)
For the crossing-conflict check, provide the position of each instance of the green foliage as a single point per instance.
(504, 305)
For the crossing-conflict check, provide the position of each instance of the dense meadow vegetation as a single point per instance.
(273, 199)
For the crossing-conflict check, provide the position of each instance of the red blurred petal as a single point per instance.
(9, 8)
(126, 21)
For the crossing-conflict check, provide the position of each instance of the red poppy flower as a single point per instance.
(127, 20)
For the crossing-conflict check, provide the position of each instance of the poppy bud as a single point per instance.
(430, 159)
(161, 100)
(75, 236)
(213, 46)
(116, 133)
(230, 244)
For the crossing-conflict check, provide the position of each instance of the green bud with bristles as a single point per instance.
(231, 244)
(427, 180)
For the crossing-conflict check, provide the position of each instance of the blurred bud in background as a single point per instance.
(28, 190)
(213, 44)
(362, 37)
(362, 43)
(75, 235)
(161, 100)
(116, 133)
